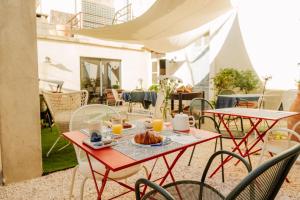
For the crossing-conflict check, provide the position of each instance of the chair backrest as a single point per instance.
(265, 181)
(198, 105)
(283, 134)
(87, 114)
(115, 94)
(296, 128)
(271, 99)
(65, 102)
(288, 98)
(210, 124)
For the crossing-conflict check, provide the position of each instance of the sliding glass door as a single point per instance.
(97, 75)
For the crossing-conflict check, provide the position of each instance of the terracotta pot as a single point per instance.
(295, 107)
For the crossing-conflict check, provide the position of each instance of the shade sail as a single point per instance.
(168, 25)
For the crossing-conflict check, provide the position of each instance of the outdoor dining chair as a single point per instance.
(62, 106)
(118, 100)
(197, 107)
(80, 120)
(213, 126)
(262, 183)
(278, 140)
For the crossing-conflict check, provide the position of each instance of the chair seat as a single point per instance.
(84, 169)
(187, 190)
(278, 146)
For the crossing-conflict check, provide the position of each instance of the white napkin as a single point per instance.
(183, 139)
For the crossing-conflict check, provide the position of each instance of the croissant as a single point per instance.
(147, 138)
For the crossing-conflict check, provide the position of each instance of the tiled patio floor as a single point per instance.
(56, 185)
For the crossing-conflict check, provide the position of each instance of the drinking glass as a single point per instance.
(117, 126)
(157, 125)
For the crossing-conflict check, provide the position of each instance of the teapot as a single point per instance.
(182, 122)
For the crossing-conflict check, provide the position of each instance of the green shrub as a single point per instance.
(248, 81)
(230, 79)
(154, 87)
(115, 86)
(226, 79)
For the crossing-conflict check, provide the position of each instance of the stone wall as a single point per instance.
(20, 135)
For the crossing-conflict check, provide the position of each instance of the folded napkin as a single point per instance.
(183, 139)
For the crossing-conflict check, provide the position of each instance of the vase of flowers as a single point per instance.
(168, 84)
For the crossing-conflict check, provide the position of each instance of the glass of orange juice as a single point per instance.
(157, 125)
(117, 126)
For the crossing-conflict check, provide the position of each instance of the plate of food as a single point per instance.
(126, 125)
(150, 139)
(96, 141)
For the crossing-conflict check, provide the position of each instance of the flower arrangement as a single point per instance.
(168, 84)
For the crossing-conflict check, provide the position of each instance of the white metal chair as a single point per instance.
(62, 106)
(79, 121)
(278, 140)
(118, 100)
(288, 98)
(152, 112)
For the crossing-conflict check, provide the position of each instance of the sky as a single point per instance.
(271, 32)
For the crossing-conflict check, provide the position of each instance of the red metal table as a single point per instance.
(122, 161)
(256, 117)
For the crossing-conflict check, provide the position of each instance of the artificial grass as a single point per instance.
(57, 160)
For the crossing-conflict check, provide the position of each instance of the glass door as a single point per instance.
(97, 75)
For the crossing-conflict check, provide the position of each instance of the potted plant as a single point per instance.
(168, 84)
(230, 79)
(247, 81)
(225, 79)
(154, 87)
(116, 86)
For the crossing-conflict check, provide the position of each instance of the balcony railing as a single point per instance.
(87, 20)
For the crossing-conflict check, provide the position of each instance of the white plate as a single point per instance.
(148, 145)
(132, 127)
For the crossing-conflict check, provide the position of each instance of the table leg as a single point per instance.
(171, 166)
(172, 104)
(180, 103)
(237, 145)
(104, 179)
(149, 176)
(172, 177)
(260, 137)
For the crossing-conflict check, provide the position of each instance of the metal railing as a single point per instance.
(87, 20)
(84, 20)
(123, 12)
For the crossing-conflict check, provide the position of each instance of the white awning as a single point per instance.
(168, 25)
